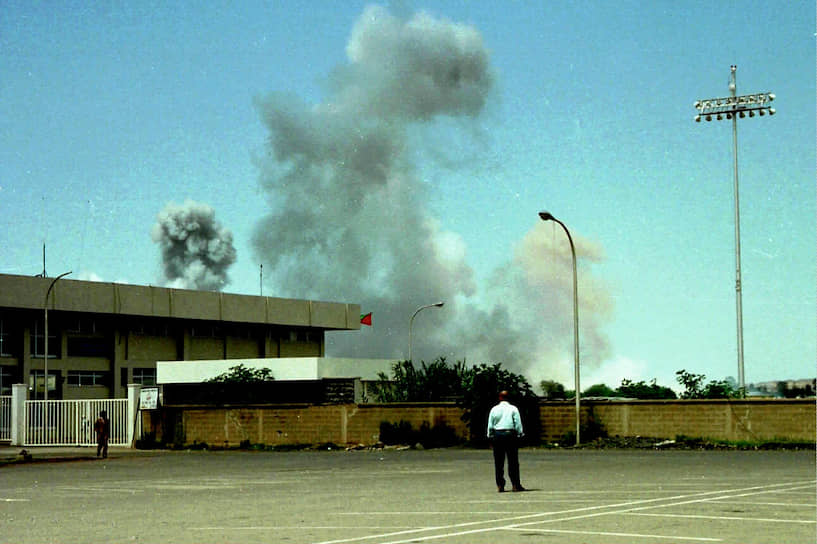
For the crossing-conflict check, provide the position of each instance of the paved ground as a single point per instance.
(432, 496)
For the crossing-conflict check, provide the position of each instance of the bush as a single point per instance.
(431, 382)
(480, 395)
(476, 389)
(240, 374)
(694, 387)
(642, 390)
(438, 436)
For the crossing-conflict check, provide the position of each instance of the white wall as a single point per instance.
(284, 369)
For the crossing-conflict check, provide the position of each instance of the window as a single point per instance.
(149, 328)
(83, 378)
(38, 341)
(302, 336)
(6, 339)
(36, 377)
(81, 346)
(144, 376)
(81, 325)
(6, 379)
(206, 331)
(240, 331)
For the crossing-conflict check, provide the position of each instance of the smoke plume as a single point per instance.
(350, 217)
(196, 249)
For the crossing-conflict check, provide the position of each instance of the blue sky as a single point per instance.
(110, 113)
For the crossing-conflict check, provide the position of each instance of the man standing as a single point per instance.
(102, 428)
(505, 428)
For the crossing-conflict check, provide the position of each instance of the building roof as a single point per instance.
(69, 295)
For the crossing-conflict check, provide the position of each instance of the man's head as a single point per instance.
(503, 395)
(103, 414)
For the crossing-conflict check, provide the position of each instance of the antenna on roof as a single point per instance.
(44, 261)
(261, 281)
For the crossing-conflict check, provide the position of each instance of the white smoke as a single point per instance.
(350, 218)
(196, 249)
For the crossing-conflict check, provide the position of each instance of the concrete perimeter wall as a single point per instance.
(751, 420)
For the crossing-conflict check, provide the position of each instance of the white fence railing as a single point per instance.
(5, 417)
(71, 422)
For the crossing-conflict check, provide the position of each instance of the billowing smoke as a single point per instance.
(350, 218)
(196, 249)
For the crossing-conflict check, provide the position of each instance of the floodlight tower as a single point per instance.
(733, 107)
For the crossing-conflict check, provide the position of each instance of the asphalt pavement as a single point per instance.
(29, 454)
(394, 497)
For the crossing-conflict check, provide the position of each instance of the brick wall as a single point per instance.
(360, 423)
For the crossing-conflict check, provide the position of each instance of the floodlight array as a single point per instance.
(730, 106)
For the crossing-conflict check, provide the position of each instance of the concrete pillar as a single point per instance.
(19, 392)
(134, 430)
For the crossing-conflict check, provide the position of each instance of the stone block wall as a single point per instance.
(225, 426)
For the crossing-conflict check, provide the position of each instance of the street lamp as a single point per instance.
(45, 332)
(417, 311)
(545, 216)
(733, 107)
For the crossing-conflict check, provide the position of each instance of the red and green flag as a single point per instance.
(366, 319)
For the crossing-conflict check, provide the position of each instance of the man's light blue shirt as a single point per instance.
(504, 417)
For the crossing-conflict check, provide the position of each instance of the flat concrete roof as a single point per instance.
(69, 295)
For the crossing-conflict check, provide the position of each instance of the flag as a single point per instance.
(366, 319)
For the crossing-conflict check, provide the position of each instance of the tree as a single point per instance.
(694, 387)
(642, 390)
(475, 388)
(435, 381)
(599, 390)
(552, 390)
(480, 389)
(240, 374)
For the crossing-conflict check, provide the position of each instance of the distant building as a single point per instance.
(786, 388)
(103, 336)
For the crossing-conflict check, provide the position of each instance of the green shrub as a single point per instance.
(438, 436)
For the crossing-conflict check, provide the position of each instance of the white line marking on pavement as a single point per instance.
(731, 518)
(700, 497)
(518, 501)
(427, 513)
(15, 500)
(786, 504)
(628, 535)
(307, 527)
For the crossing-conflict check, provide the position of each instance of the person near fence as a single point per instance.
(504, 430)
(102, 429)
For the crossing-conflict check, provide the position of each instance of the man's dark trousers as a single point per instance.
(505, 444)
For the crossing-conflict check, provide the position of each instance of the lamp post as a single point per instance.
(417, 311)
(733, 107)
(545, 216)
(45, 332)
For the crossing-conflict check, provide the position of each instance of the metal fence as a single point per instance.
(5, 417)
(71, 422)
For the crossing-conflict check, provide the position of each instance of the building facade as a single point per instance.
(103, 336)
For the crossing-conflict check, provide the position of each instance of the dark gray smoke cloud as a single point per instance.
(196, 249)
(350, 218)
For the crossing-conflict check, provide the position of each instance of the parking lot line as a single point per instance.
(673, 538)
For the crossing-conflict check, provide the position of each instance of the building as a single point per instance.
(103, 336)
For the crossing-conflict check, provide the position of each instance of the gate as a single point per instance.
(71, 422)
(5, 418)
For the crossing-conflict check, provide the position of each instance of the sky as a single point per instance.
(396, 155)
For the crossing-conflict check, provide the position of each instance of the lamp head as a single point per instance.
(546, 216)
(439, 304)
